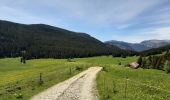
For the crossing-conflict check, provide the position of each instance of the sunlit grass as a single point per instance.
(140, 84)
(26, 76)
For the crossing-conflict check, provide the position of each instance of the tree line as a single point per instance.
(160, 62)
(44, 41)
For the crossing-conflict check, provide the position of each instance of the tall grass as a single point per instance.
(133, 84)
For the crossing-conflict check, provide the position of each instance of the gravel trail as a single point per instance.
(79, 87)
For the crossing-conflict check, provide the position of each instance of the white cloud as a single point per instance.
(14, 14)
(95, 12)
(162, 33)
(101, 16)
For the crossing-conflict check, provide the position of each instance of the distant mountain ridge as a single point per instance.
(144, 45)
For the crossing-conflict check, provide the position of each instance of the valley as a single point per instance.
(85, 50)
(22, 80)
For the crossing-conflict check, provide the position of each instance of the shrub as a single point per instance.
(140, 61)
(79, 68)
(119, 63)
(18, 88)
(18, 95)
(105, 69)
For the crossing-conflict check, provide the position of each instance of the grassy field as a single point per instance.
(119, 83)
(19, 80)
(115, 82)
(107, 60)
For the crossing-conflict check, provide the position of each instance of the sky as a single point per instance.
(124, 20)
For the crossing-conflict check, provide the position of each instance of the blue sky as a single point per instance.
(124, 20)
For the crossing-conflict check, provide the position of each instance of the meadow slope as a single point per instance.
(23, 80)
(114, 82)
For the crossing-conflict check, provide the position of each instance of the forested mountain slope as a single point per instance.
(44, 41)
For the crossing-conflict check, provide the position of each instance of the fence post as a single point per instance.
(40, 79)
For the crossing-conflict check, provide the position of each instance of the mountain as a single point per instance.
(144, 45)
(120, 44)
(128, 46)
(45, 41)
(155, 43)
(155, 51)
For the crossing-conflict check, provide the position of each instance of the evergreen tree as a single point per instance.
(23, 57)
(167, 66)
(143, 64)
(139, 61)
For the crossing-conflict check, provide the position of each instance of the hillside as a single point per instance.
(120, 44)
(44, 41)
(155, 51)
(144, 45)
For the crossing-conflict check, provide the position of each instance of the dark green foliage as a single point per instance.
(154, 62)
(157, 62)
(123, 56)
(44, 41)
(139, 61)
(105, 69)
(155, 51)
(23, 57)
(79, 68)
(160, 62)
(143, 63)
(18, 95)
(119, 63)
(167, 66)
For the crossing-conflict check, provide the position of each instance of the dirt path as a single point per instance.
(79, 87)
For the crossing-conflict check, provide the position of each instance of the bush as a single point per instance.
(119, 63)
(18, 96)
(105, 69)
(79, 68)
(167, 66)
(139, 61)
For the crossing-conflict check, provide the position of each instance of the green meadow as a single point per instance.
(21, 81)
(114, 82)
(118, 82)
(121, 83)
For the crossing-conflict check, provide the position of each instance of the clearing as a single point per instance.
(79, 87)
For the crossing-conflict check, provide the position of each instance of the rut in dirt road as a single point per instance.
(79, 87)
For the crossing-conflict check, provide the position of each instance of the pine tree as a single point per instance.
(143, 65)
(23, 57)
(167, 66)
(140, 61)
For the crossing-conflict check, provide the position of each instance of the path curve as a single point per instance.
(79, 87)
